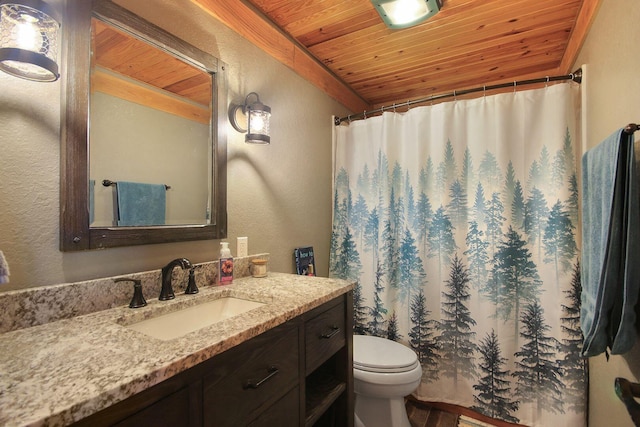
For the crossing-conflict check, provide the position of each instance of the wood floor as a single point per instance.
(423, 414)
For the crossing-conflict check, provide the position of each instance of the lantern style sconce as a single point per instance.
(257, 116)
(29, 40)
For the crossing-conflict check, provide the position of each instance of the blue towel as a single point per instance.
(610, 241)
(141, 204)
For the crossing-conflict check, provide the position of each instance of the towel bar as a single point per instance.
(631, 128)
(109, 183)
(627, 392)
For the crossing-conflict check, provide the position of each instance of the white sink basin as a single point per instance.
(178, 323)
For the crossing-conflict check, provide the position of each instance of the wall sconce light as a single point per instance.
(29, 40)
(406, 13)
(257, 116)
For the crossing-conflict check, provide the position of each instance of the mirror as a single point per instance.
(129, 73)
(142, 94)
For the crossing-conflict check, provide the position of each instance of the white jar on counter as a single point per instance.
(259, 267)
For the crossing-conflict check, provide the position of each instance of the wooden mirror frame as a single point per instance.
(75, 231)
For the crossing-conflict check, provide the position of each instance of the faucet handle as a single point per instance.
(192, 288)
(138, 299)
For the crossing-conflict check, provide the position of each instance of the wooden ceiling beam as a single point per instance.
(146, 96)
(585, 18)
(250, 24)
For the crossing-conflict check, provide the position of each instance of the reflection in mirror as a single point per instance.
(150, 124)
(122, 72)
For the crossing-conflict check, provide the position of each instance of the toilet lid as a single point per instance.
(376, 354)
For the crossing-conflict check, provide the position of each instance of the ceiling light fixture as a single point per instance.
(258, 118)
(29, 40)
(398, 14)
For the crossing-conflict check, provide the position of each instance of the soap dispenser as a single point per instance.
(225, 265)
(225, 252)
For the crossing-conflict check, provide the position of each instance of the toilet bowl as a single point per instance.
(384, 372)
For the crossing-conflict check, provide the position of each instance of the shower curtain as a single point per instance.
(459, 222)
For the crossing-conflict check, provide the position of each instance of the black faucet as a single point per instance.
(166, 293)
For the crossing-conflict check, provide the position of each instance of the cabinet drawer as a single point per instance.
(324, 335)
(247, 379)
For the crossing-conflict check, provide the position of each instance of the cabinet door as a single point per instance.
(248, 379)
(173, 410)
(284, 413)
(171, 403)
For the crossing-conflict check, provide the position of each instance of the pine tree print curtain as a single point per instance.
(459, 223)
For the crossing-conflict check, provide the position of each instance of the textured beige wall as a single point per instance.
(278, 195)
(613, 100)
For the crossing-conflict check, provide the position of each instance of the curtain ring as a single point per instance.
(365, 114)
(515, 83)
(547, 83)
(394, 107)
(484, 91)
(349, 118)
(408, 105)
(455, 96)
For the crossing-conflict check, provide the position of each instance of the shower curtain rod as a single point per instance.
(576, 76)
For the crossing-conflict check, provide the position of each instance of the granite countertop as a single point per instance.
(60, 372)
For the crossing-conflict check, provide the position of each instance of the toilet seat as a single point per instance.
(374, 354)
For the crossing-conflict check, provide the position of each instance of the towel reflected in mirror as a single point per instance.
(141, 204)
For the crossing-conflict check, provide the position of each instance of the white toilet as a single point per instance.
(384, 372)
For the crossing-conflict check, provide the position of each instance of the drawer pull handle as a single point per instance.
(334, 331)
(272, 371)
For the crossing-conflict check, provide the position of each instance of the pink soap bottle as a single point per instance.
(225, 267)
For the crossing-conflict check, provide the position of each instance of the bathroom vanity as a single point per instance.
(291, 375)
(286, 363)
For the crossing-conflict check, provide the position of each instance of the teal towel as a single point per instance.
(610, 241)
(141, 204)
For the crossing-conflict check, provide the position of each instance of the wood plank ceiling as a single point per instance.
(129, 56)
(344, 48)
(126, 67)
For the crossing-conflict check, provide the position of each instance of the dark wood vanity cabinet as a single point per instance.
(252, 376)
(327, 371)
(297, 374)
